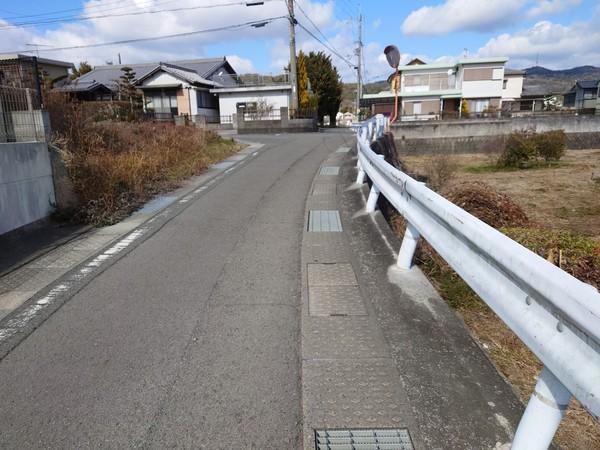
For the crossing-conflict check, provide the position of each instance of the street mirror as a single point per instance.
(393, 55)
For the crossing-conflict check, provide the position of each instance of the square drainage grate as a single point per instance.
(329, 170)
(324, 221)
(380, 439)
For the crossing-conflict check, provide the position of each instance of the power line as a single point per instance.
(156, 38)
(136, 13)
(100, 8)
(313, 24)
(332, 50)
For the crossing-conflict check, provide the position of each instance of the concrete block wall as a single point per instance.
(26, 186)
(467, 136)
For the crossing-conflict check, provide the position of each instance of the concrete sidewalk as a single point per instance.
(380, 348)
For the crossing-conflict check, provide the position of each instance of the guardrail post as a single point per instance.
(408, 247)
(372, 200)
(543, 414)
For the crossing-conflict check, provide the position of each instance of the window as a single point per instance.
(479, 105)
(161, 101)
(589, 94)
(417, 108)
(504, 84)
(206, 100)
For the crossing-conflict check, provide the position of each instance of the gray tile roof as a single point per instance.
(588, 84)
(109, 75)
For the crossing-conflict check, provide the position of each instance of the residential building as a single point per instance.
(583, 95)
(430, 91)
(253, 92)
(102, 83)
(19, 70)
(512, 87)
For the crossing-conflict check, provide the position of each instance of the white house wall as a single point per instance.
(228, 101)
(162, 79)
(514, 88)
(482, 89)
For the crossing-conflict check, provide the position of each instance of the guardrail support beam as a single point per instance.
(543, 414)
(360, 176)
(372, 200)
(408, 247)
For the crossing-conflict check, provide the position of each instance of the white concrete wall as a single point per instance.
(514, 87)
(26, 186)
(228, 100)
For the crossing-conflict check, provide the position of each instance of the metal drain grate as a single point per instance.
(324, 220)
(380, 439)
(329, 170)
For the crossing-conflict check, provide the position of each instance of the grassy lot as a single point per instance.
(562, 204)
(562, 196)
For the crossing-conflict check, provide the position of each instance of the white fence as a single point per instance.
(554, 314)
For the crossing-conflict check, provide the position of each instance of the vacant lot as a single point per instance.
(564, 196)
(557, 198)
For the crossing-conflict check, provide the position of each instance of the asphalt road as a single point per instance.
(192, 339)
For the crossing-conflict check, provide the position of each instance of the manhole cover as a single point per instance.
(380, 439)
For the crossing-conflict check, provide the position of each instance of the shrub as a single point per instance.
(551, 145)
(520, 150)
(439, 170)
(464, 109)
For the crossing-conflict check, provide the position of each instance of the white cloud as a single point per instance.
(461, 15)
(546, 7)
(556, 45)
(241, 65)
(152, 25)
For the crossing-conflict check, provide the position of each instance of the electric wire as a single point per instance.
(155, 38)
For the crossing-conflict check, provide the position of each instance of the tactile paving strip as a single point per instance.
(335, 301)
(329, 170)
(324, 220)
(331, 275)
(377, 439)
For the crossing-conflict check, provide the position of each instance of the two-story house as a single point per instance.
(583, 96)
(430, 91)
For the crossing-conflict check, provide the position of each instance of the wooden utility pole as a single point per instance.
(293, 71)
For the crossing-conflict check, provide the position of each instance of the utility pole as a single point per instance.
(359, 66)
(293, 73)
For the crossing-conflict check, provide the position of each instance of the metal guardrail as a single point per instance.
(554, 314)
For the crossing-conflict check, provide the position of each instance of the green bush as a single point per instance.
(520, 150)
(551, 145)
(524, 148)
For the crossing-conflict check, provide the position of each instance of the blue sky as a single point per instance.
(557, 33)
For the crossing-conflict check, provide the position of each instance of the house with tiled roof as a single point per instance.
(169, 88)
(583, 95)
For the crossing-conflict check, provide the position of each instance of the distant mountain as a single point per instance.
(581, 72)
(540, 79)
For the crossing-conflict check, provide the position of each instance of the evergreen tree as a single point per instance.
(326, 84)
(303, 94)
(83, 68)
(127, 89)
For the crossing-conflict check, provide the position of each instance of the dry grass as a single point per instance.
(563, 196)
(544, 194)
(115, 166)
